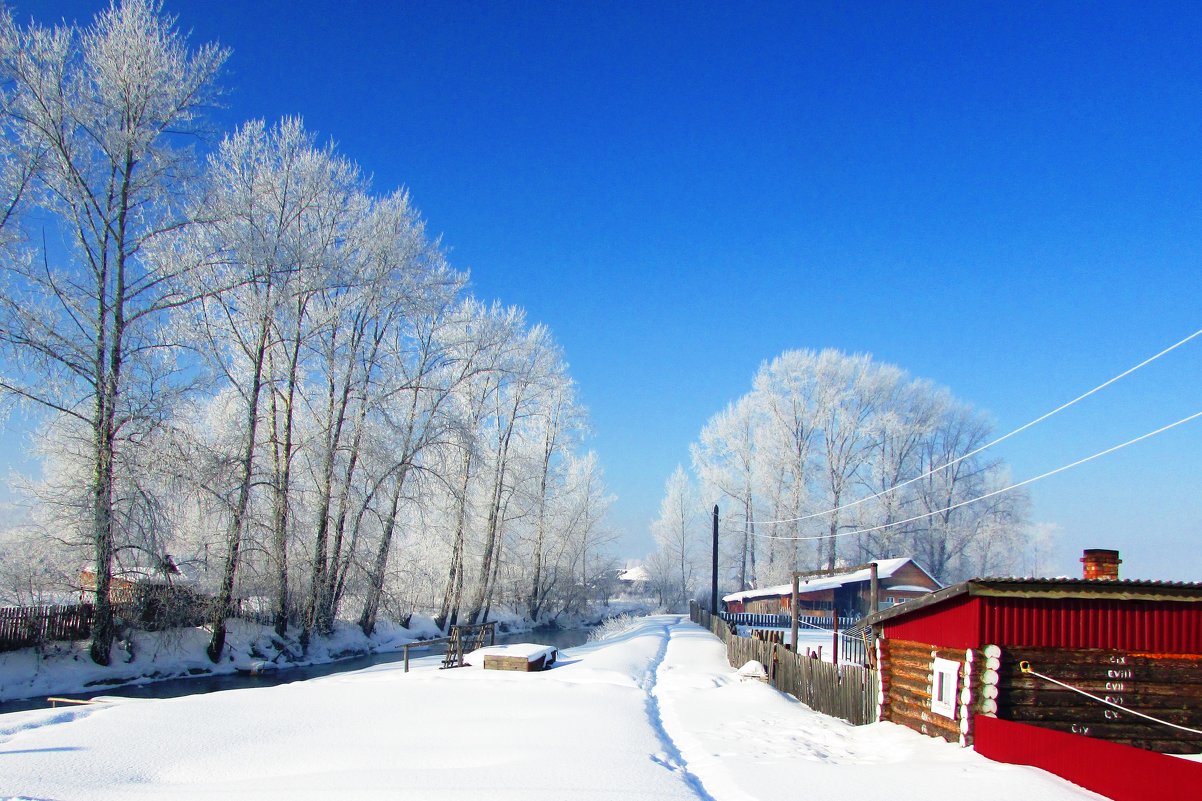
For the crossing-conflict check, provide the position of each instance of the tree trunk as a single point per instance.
(448, 613)
(534, 601)
(233, 540)
(102, 624)
(331, 595)
(316, 605)
(108, 381)
(283, 476)
(367, 621)
(494, 524)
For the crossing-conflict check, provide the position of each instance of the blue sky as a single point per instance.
(1004, 198)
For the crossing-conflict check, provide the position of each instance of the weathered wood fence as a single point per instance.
(843, 691)
(23, 626)
(150, 608)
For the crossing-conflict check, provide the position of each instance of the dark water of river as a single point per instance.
(174, 688)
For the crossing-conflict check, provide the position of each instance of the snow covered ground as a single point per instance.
(654, 713)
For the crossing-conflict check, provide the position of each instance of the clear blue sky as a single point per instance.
(1004, 198)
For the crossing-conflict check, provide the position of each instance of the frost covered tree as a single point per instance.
(277, 211)
(524, 387)
(862, 461)
(785, 390)
(434, 355)
(256, 361)
(96, 128)
(677, 561)
(954, 540)
(725, 458)
(850, 390)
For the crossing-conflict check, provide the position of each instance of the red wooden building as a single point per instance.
(1087, 678)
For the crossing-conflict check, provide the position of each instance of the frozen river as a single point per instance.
(175, 688)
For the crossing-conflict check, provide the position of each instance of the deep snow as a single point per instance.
(654, 713)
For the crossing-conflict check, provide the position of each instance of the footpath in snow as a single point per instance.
(654, 713)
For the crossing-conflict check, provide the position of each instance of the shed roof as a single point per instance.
(1049, 588)
(885, 568)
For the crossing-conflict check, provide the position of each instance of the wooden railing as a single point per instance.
(843, 691)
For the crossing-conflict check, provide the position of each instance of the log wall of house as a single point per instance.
(907, 679)
(1164, 686)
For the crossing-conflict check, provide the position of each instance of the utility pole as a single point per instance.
(793, 613)
(873, 606)
(714, 568)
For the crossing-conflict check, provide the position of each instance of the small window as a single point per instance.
(944, 686)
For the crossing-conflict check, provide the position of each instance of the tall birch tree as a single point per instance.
(104, 113)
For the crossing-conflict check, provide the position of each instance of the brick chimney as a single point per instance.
(1101, 563)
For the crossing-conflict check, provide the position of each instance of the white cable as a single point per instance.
(1002, 438)
(1025, 667)
(1160, 430)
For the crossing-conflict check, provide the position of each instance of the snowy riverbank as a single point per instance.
(65, 668)
(146, 657)
(655, 713)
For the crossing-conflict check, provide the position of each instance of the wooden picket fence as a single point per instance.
(843, 691)
(23, 626)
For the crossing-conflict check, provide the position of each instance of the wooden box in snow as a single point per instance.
(523, 657)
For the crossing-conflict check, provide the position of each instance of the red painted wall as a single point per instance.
(1163, 627)
(955, 623)
(1117, 771)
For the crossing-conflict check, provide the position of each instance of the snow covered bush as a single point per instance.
(613, 627)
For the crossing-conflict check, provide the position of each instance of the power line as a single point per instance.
(1000, 439)
(1025, 667)
(1023, 483)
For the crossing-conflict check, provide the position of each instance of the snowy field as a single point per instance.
(654, 713)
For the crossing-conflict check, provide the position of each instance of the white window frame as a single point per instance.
(945, 684)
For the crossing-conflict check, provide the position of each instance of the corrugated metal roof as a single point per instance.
(885, 568)
(1052, 588)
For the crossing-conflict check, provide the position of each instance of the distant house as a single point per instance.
(635, 574)
(901, 579)
(161, 596)
(631, 581)
(1082, 677)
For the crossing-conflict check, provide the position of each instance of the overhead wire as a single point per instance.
(1025, 667)
(988, 445)
(992, 494)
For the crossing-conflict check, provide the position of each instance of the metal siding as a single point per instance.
(954, 624)
(1117, 771)
(1157, 627)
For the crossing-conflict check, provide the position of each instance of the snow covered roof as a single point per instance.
(636, 573)
(885, 568)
